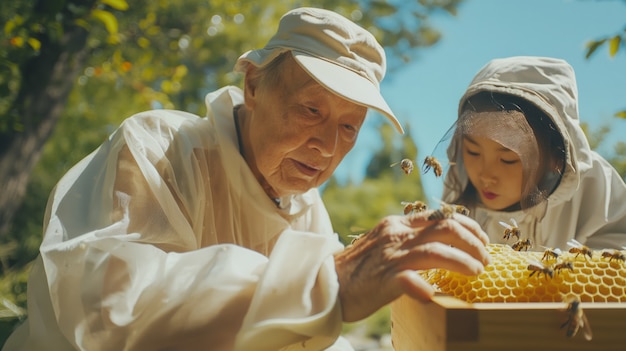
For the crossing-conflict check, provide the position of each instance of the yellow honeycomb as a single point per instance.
(601, 278)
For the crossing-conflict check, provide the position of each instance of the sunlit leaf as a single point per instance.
(621, 114)
(8, 27)
(143, 42)
(34, 43)
(17, 42)
(107, 18)
(180, 71)
(614, 45)
(121, 5)
(592, 46)
(81, 23)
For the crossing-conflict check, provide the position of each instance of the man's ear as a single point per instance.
(251, 83)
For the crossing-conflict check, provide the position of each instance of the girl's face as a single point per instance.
(495, 172)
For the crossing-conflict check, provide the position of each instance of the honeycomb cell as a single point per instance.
(604, 290)
(552, 289)
(591, 289)
(617, 291)
(606, 280)
(471, 295)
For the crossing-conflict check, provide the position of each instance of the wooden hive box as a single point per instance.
(449, 324)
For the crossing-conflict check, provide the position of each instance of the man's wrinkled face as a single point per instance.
(298, 131)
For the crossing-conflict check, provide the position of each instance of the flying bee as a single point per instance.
(510, 230)
(579, 249)
(614, 255)
(406, 165)
(540, 268)
(522, 245)
(447, 211)
(563, 265)
(432, 162)
(551, 253)
(576, 320)
(416, 206)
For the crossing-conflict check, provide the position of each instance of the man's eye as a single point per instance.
(313, 110)
(350, 127)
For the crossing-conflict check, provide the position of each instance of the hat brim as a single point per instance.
(347, 84)
(340, 80)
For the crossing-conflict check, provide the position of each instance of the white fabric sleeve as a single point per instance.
(293, 303)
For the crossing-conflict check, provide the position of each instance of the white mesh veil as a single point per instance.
(516, 125)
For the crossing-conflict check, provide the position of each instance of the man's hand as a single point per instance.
(381, 265)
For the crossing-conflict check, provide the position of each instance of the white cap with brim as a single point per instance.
(336, 52)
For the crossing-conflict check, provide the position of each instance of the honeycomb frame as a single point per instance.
(599, 278)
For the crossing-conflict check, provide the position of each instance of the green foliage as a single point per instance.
(615, 43)
(12, 301)
(33, 26)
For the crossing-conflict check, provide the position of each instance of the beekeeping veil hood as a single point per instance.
(549, 85)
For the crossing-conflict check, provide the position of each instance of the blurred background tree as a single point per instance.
(72, 70)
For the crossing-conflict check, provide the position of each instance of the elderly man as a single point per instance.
(189, 233)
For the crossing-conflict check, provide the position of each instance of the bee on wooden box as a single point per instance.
(576, 320)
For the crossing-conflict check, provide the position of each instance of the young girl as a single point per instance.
(521, 160)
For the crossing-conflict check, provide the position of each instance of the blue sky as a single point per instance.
(426, 91)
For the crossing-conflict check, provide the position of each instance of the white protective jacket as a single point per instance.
(589, 204)
(162, 239)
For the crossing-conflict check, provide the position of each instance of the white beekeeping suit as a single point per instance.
(162, 239)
